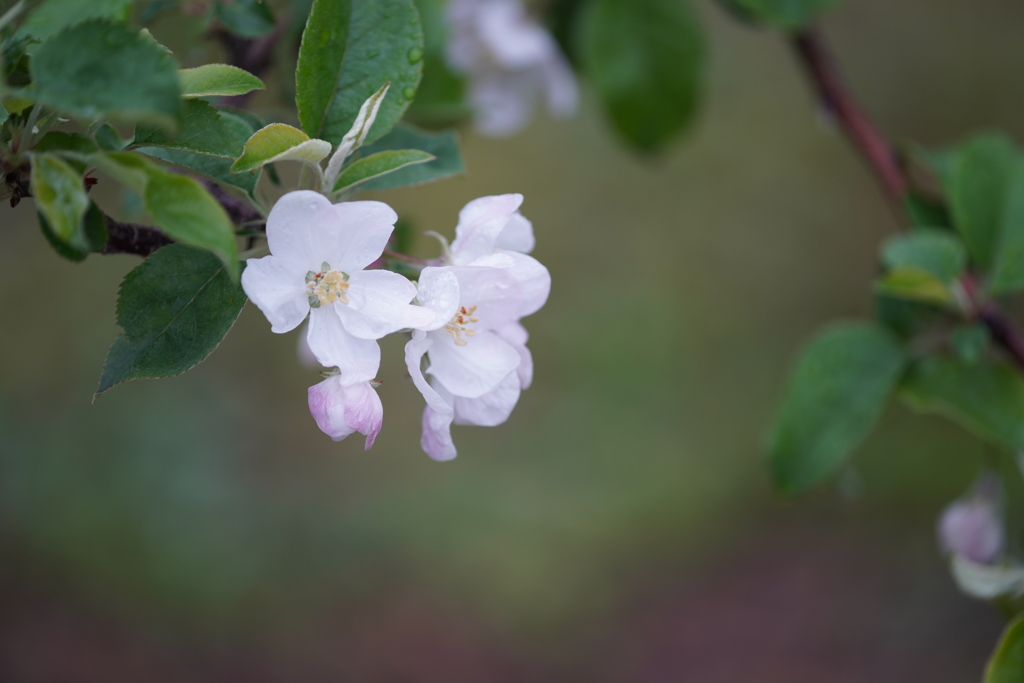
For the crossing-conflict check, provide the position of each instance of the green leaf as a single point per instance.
(377, 165)
(1007, 663)
(60, 197)
(175, 309)
(934, 251)
(93, 227)
(220, 80)
(905, 317)
(204, 130)
(441, 95)
(61, 141)
(178, 205)
(246, 18)
(213, 168)
(645, 59)
(784, 14)
(109, 139)
(917, 284)
(986, 396)
(836, 394)
(970, 342)
(1008, 263)
(350, 48)
(444, 146)
(102, 70)
(280, 142)
(53, 16)
(977, 181)
(925, 212)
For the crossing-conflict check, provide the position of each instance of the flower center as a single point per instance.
(326, 287)
(458, 325)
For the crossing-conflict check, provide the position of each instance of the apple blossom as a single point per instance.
(510, 60)
(971, 527)
(341, 409)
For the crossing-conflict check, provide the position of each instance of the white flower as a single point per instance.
(510, 61)
(340, 409)
(478, 360)
(971, 528)
(318, 253)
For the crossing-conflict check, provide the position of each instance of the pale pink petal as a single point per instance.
(368, 226)
(491, 409)
(358, 359)
(517, 235)
(534, 279)
(379, 305)
(340, 410)
(497, 295)
(512, 38)
(480, 223)
(278, 288)
(438, 291)
(560, 86)
(300, 229)
(474, 369)
(971, 528)
(436, 440)
(414, 352)
(516, 335)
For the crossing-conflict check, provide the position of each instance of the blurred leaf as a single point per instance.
(175, 308)
(970, 342)
(60, 197)
(246, 18)
(178, 205)
(788, 15)
(987, 396)
(53, 16)
(217, 79)
(203, 131)
(154, 8)
(1008, 262)
(58, 140)
(350, 48)
(377, 165)
(835, 395)
(441, 95)
(915, 283)
(1007, 663)
(93, 228)
(109, 139)
(444, 146)
(103, 70)
(645, 59)
(925, 212)
(933, 251)
(907, 318)
(279, 142)
(214, 168)
(977, 182)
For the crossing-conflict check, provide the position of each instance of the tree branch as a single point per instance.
(874, 147)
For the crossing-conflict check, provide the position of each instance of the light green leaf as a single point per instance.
(784, 14)
(350, 48)
(60, 197)
(917, 284)
(175, 308)
(977, 180)
(835, 396)
(246, 18)
(645, 59)
(377, 165)
(94, 229)
(1007, 663)
(221, 80)
(987, 397)
(109, 139)
(356, 135)
(280, 142)
(102, 70)
(444, 146)
(935, 251)
(178, 205)
(53, 16)
(1008, 262)
(203, 131)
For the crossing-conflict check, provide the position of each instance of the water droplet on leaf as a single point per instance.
(415, 55)
(409, 92)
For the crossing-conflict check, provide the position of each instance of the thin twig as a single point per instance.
(390, 253)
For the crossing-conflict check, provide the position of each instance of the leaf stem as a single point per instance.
(390, 253)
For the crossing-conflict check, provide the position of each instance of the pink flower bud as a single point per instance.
(340, 410)
(972, 528)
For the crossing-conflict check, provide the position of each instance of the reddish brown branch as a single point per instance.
(817, 60)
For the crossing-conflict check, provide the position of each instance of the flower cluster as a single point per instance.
(462, 316)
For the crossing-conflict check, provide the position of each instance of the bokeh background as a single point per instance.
(620, 526)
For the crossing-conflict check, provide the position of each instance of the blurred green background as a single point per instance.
(620, 526)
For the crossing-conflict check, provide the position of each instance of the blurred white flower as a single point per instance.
(972, 527)
(478, 360)
(341, 409)
(510, 61)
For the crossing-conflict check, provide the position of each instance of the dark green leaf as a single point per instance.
(154, 8)
(977, 181)
(109, 139)
(246, 18)
(906, 318)
(93, 228)
(53, 16)
(925, 212)
(351, 48)
(60, 197)
(783, 14)
(970, 342)
(1007, 663)
(221, 80)
(213, 168)
(444, 146)
(934, 251)
(378, 165)
(987, 397)
(204, 130)
(60, 141)
(645, 59)
(175, 308)
(103, 70)
(1008, 262)
(440, 97)
(836, 394)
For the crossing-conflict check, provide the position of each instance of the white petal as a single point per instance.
(534, 279)
(379, 305)
(491, 409)
(305, 354)
(480, 223)
(497, 295)
(512, 38)
(560, 86)
(516, 335)
(474, 369)
(340, 410)
(436, 440)
(278, 288)
(438, 290)
(367, 228)
(517, 235)
(333, 346)
(503, 103)
(414, 350)
(300, 229)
